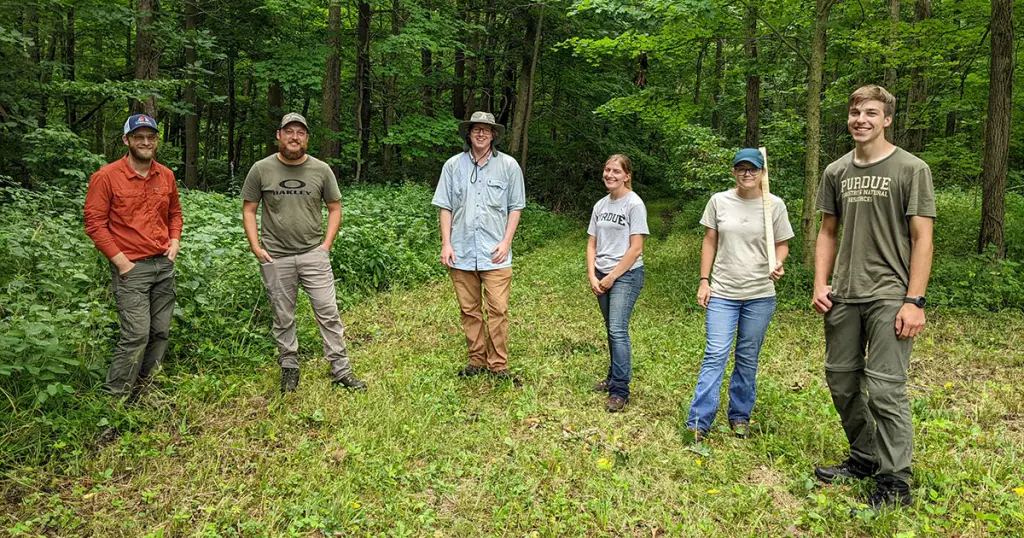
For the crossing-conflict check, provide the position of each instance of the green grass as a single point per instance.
(423, 453)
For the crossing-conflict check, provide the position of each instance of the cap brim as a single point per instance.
(499, 129)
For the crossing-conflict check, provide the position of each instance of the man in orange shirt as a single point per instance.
(133, 216)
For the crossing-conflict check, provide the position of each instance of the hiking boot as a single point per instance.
(616, 404)
(472, 370)
(289, 379)
(506, 375)
(349, 381)
(145, 388)
(850, 469)
(694, 436)
(740, 429)
(890, 492)
(601, 386)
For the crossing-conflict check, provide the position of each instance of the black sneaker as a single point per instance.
(472, 370)
(616, 404)
(289, 379)
(349, 381)
(601, 386)
(850, 469)
(890, 492)
(506, 375)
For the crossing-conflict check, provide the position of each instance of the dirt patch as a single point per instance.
(775, 483)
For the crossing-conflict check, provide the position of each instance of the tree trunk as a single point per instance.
(191, 178)
(330, 147)
(472, 64)
(391, 95)
(525, 80)
(232, 113)
(718, 88)
(997, 129)
(809, 221)
(752, 136)
(426, 67)
(487, 95)
(363, 86)
(892, 45)
(508, 84)
(533, 83)
(916, 122)
(147, 58)
(700, 69)
(69, 67)
(275, 111)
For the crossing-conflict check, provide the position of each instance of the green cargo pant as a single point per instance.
(145, 303)
(866, 369)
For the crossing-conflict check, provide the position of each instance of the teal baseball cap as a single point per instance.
(750, 155)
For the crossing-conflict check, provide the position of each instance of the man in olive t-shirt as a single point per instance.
(293, 188)
(882, 198)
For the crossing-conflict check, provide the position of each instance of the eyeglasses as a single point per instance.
(480, 130)
(144, 137)
(746, 171)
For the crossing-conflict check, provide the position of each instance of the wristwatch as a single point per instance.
(916, 301)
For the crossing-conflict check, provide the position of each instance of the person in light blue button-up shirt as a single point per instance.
(481, 195)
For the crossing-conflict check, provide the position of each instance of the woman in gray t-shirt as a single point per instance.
(737, 290)
(615, 268)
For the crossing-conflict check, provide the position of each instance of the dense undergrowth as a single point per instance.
(57, 317)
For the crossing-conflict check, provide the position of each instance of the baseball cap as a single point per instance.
(137, 121)
(751, 155)
(293, 117)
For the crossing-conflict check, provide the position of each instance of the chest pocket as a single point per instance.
(158, 198)
(497, 193)
(128, 201)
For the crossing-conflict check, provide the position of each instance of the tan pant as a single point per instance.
(483, 351)
(282, 278)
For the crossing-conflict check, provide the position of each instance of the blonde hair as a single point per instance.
(626, 164)
(874, 92)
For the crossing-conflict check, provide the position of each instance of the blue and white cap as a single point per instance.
(137, 121)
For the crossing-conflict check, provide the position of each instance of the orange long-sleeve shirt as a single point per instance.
(125, 212)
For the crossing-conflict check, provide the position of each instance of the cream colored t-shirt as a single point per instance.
(741, 267)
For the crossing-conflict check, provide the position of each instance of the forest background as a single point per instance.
(677, 85)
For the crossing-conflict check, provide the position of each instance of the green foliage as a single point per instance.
(57, 318)
(60, 155)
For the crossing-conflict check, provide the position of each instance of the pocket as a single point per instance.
(126, 203)
(496, 193)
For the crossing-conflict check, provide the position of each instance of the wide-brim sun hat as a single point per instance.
(485, 118)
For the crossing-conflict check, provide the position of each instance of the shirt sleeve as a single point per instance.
(781, 226)
(592, 228)
(826, 202)
(517, 188)
(175, 223)
(921, 199)
(252, 188)
(443, 194)
(331, 191)
(638, 219)
(710, 217)
(97, 215)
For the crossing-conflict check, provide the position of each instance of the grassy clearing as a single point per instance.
(423, 453)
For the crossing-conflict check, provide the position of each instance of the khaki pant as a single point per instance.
(483, 351)
(145, 303)
(281, 279)
(866, 369)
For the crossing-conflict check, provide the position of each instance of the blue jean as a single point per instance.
(748, 320)
(617, 307)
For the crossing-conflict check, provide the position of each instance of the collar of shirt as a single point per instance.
(469, 155)
(130, 173)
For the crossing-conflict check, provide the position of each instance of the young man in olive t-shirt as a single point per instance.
(882, 199)
(293, 188)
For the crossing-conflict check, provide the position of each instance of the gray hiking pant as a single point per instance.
(282, 278)
(145, 303)
(866, 369)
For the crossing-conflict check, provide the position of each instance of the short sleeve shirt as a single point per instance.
(874, 204)
(741, 267)
(293, 198)
(480, 198)
(612, 223)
